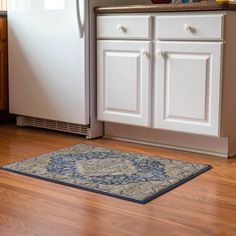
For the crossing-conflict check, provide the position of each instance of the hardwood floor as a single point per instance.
(204, 206)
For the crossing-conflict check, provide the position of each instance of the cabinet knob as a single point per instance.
(161, 53)
(187, 27)
(121, 28)
(145, 53)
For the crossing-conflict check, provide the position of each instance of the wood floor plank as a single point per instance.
(204, 206)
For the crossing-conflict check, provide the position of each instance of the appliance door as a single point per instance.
(47, 55)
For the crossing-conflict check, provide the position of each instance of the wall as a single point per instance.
(3, 5)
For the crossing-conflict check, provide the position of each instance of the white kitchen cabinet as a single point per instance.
(187, 87)
(192, 95)
(123, 77)
(184, 73)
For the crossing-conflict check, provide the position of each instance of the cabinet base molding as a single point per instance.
(225, 155)
(166, 139)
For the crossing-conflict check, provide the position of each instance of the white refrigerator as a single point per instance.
(52, 67)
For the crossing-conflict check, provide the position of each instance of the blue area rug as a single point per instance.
(127, 175)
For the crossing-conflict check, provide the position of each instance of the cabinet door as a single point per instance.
(187, 87)
(124, 82)
(3, 77)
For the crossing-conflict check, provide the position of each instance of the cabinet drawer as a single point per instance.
(190, 27)
(124, 27)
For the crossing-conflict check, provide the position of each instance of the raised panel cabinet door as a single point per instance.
(3, 77)
(124, 82)
(187, 87)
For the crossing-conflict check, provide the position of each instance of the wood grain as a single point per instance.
(28, 206)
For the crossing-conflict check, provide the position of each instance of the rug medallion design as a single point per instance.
(127, 175)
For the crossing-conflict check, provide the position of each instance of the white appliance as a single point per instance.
(52, 53)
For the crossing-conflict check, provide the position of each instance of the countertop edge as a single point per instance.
(173, 7)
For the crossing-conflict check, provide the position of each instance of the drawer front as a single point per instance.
(124, 27)
(190, 27)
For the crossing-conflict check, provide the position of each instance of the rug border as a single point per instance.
(118, 150)
(143, 201)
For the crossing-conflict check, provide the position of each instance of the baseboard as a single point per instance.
(216, 146)
(225, 155)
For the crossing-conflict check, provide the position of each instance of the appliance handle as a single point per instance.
(79, 17)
